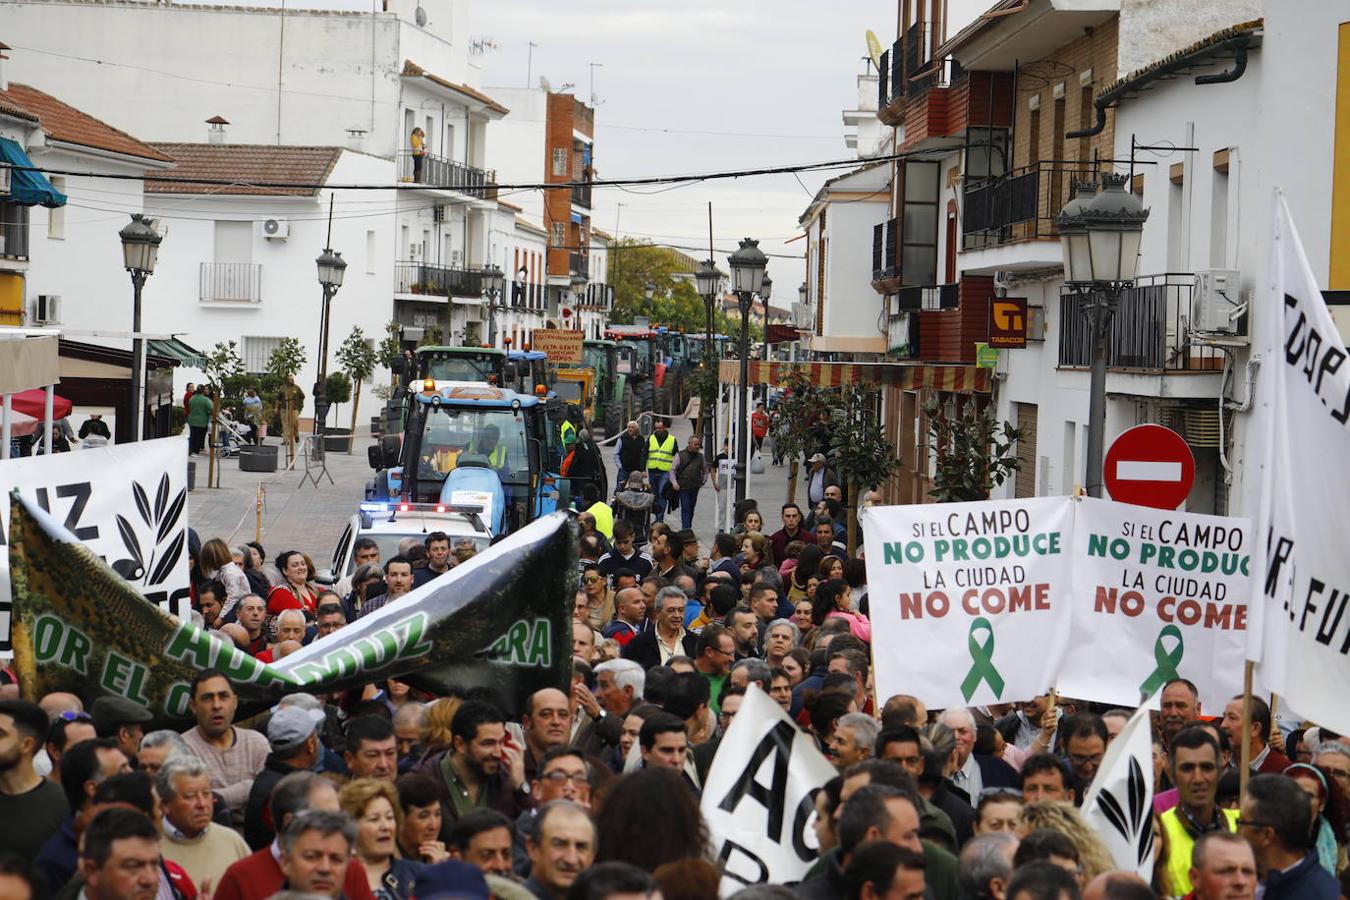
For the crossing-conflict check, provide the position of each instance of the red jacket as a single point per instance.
(259, 876)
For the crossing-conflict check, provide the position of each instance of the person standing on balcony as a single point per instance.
(418, 141)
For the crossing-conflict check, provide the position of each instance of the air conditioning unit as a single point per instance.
(456, 257)
(1217, 305)
(275, 229)
(414, 251)
(438, 213)
(47, 309)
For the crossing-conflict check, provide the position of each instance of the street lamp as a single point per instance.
(747, 279)
(765, 289)
(1100, 234)
(492, 280)
(140, 247)
(707, 278)
(331, 269)
(649, 290)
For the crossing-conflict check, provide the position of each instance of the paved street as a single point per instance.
(310, 519)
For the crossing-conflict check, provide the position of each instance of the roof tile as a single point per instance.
(66, 123)
(246, 166)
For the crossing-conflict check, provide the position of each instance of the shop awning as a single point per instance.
(173, 348)
(910, 376)
(27, 187)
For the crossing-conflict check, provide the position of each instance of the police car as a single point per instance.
(388, 524)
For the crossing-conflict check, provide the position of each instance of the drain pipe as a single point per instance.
(1239, 46)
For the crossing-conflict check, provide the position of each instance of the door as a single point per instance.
(1025, 485)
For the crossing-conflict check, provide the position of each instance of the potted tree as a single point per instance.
(338, 388)
(357, 358)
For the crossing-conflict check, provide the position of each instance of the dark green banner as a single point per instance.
(500, 620)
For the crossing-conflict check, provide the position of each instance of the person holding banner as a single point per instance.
(1193, 756)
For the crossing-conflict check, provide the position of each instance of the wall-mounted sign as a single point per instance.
(1008, 323)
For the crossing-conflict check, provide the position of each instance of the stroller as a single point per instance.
(231, 434)
(633, 504)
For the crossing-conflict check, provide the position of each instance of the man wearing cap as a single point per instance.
(819, 478)
(630, 453)
(293, 734)
(451, 880)
(119, 718)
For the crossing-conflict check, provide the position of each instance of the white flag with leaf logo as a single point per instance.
(1119, 803)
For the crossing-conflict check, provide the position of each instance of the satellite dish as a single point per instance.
(420, 16)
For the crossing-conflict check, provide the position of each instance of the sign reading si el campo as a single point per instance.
(1156, 596)
(969, 601)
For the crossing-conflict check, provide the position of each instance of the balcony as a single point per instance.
(438, 172)
(437, 281)
(1019, 206)
(581, 195)
(579, 264)
(223, 282)
(597, 296)
(885, 256)
(525, 295)
(1148, 330)
(13, 231)
(907, 58)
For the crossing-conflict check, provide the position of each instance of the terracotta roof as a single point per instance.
(510, 206)
(1212, 42)
(413, 70)
(522, 222)
(65, 123)
(246, 166)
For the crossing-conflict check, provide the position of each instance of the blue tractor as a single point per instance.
(465, 444)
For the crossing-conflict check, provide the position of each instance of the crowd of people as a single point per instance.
(388, 793)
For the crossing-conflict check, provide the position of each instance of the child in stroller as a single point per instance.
(633, 504)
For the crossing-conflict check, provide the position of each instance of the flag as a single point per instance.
(1296, 485)
(1119, 802)
(760, 795)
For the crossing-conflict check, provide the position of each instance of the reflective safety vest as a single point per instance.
(660, 456)
(567, 432)
(1180, 842)
(496, 457)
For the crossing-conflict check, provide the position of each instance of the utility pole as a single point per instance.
(529, 65)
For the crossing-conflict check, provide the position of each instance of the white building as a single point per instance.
(238, 261)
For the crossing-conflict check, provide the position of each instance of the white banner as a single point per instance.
(759, 798)
(1297, 485)
(127, 503)
(1119, 803)
(1157, 595)
(969, 601)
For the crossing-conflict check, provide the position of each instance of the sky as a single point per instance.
(692, 86)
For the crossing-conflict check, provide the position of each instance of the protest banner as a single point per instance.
(759, 799)
(1157, 595)
(126, 502)
(562, 346)
(1295, 486)
(500, 620)
(969, 601)
(1119, 802)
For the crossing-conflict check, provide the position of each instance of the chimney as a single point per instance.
(4, 68)
(216, 133)
(356, 139)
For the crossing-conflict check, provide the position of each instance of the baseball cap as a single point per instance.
(450, 880)
(291, 726)
(686, 537)
(817, 457)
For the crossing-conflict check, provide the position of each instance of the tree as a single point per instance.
(287, 359)
(389, 353)
(357, 358)
(860, 454)
(223, 367)
(972, 456)
(797, 423)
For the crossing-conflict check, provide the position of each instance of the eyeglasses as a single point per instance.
(1005, 793)
(558, 776)
(75, 716)
(592, 579)
(1338, 774)
(1094, 759)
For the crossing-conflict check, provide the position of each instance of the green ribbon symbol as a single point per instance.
(982, 661)
(1167, 661)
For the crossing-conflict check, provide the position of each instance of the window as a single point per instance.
(559, 234)
(987, 155)
(1034, 137)
(257, 351)
(560, 162)
(919, 231)
(1218, 213)
(56, 218)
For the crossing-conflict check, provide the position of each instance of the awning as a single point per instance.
(173, 348)
(909, 376)
(27, 187)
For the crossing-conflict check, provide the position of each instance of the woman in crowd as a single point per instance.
(830, 567)
(1092, 853)
(297, 590)
(440, 713)
(1328, 813)
(834, 600)
(217, 562)
(419, 835)
(824, 709)
(808, 567)
(802, 617)
(374, 805)
(753, 522)
(246, 557)
(797, 664)
(679, 832)
(367, 582)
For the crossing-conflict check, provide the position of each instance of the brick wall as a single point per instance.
(558, 203)
(1095, 50)
(949, 335)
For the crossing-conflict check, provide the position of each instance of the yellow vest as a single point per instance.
(496, 457)
(660, 456)
(604, 519)
(567, 433)
(1179, 847)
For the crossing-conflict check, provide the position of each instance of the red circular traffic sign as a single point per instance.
(1149, 465)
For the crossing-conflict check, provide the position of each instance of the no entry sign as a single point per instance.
(1149, 465)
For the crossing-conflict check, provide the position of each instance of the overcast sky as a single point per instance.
(770, 77)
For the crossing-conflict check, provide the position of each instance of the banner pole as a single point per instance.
(257, 512)
(1245, 772)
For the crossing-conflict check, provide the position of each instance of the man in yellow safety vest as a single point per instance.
(1194, 757)
(661, 450)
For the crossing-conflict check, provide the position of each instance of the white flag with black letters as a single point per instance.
(759, 799)
(1119, 803)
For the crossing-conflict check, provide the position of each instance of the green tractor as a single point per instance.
(636, 360)
(613, 384)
